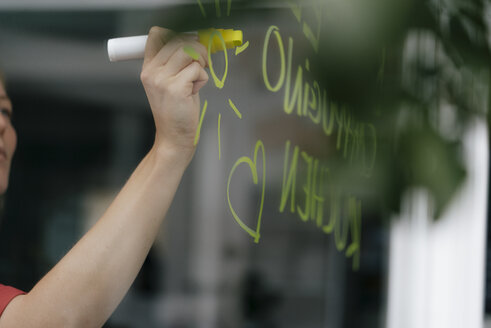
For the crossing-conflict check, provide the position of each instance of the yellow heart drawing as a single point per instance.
(253, 166)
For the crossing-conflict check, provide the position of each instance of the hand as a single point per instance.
(172, 80)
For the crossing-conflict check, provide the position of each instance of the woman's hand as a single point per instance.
(172, 80)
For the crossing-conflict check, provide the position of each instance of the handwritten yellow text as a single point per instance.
(317, 10)
(279, 84)
(236, 111)
(241, 48)
(218, 9)
(344, 210)
(219, 137)
(200, 124)
(357, 140)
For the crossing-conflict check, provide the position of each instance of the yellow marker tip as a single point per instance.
(229, 37)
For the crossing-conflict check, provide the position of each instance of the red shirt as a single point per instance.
(6, 295)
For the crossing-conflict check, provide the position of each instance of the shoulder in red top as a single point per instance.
(7, 293)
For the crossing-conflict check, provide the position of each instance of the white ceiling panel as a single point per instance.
(86, 4)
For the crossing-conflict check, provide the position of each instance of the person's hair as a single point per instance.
(2, 78)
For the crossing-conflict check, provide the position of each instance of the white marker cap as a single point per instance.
(132, 47)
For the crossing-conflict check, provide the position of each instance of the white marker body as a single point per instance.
(127, 48)
(131, 47)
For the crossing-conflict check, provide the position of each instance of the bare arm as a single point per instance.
(86, 286)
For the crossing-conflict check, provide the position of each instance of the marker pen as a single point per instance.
(133, 47)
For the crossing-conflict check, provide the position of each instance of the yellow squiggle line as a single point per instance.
(240, 49)
(189, 50)
(203, 12)
(218, 83)
(253, 167)
(198, 131)
(239, 115)
(217, 6)
(219, 140)
(229, 6)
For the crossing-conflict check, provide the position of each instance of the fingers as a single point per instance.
(194, 76)
(201, 82)
(174, 63)
(180, 59)
(162, 45)
(157, 38)
(189, 81)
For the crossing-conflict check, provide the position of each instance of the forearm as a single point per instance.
(85, 287)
